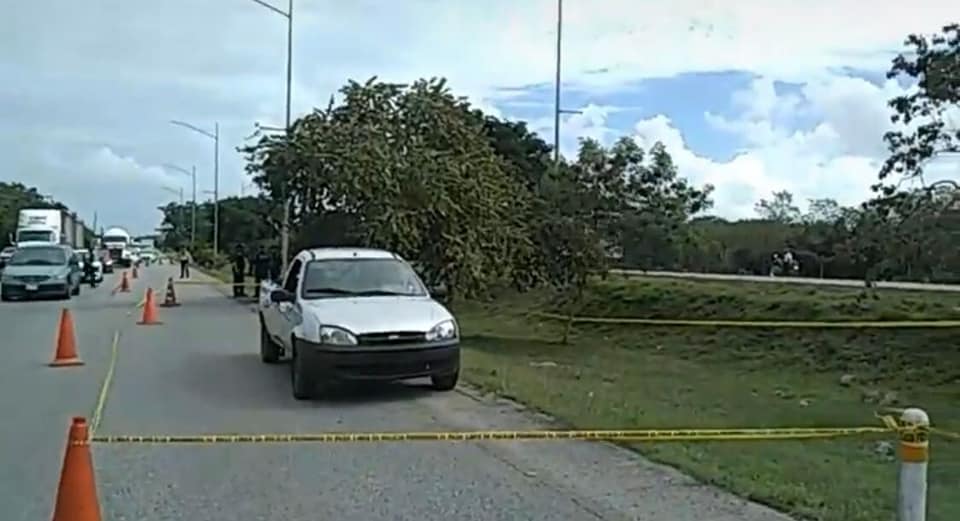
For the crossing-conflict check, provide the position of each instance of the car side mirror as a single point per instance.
(281, 295)
(439, 292)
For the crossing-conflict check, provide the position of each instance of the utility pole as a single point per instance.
(556, 93)
(284, 196)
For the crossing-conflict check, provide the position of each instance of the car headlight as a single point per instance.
(335, 336)
(445, 330)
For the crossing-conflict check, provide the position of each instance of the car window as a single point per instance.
(39, 257)
(360, 277)
(293, 276)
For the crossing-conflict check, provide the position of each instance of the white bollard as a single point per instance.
(914, 457)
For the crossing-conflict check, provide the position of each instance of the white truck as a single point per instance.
(49, 226)
(119, 246)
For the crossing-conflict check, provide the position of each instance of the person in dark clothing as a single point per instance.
(276, 265)
(89, 270)
(261, 268)
(239, 270)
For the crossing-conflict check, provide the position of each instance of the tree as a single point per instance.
(823, 211)
(924, 133)
(780, 209)
(418, 173)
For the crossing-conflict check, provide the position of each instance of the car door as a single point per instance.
(289, 313)
(271, 309)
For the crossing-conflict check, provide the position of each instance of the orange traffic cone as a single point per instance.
(66, 351)
(134, 274)
(170, 299)
(149, 310)
(77, 494)
(124, 283)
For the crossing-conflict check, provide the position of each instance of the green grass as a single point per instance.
(672, 377)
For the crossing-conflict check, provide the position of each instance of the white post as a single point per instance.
(914, 457)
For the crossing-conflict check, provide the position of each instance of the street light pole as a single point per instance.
(285, 225)
(215, 136)
(216, 189)
(556, 93)
(193, 211)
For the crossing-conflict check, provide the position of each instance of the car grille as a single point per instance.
(391, 338)
(32, 279)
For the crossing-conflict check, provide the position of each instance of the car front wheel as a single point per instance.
(301, 382)
(444, 382)
(269, 350)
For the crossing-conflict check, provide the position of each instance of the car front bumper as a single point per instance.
(44, 289)
(395, 363)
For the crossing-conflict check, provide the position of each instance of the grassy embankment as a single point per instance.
(614, 376)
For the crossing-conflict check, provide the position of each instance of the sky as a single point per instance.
(752, 96)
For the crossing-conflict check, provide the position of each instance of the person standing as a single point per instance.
(261, 269)
(184, 264)
(239, 270)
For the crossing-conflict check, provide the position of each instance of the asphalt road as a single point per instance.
(199, 372)
(37, 401)
(850, 283)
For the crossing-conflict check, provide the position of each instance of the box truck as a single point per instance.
(48, 226)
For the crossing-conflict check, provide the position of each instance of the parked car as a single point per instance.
(97, 266)
(356, 314)
(41, 270)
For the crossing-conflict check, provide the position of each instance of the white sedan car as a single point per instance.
(356, 314)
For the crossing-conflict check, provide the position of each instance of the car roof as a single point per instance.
(346, 253)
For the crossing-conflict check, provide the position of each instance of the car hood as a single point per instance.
(362, 315)
(46, 271)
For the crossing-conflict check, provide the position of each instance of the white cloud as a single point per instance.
(82, 75)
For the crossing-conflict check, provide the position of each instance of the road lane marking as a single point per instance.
(105, 386)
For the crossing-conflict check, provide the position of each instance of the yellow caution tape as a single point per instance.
(594, 435)
(945, 434)
(908, 324)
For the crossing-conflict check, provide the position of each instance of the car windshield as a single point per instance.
(360, 277)
(39, 257)
(115, 238)
(35, 236)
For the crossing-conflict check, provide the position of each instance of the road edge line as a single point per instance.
(97, 415)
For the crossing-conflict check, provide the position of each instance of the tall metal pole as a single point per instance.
(285, 226)
(193, 213)
(216, 188)
(556, 93)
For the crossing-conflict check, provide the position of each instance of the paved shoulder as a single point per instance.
(200, 372)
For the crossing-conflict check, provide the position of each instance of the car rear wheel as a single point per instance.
(269, 350)
(301, 382)
(445, 382)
